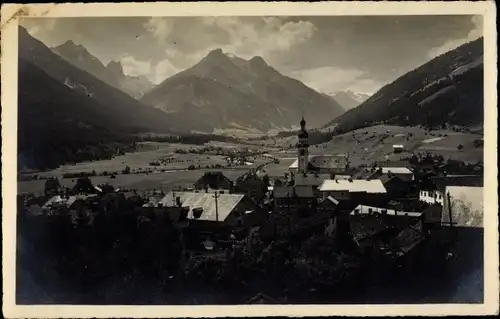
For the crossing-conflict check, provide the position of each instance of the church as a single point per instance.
(312, 170)
(307, 173)
(316, 164)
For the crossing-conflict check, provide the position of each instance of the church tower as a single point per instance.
(303, 148)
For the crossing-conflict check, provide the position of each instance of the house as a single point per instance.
(328, 206)
(65, 201)
(434, 191)
(211, 211)
(398, 148)
(403, 173)
(294, 198)
(252, 185)
(395, 186)
(432, 216)
(312, 180)
(52, 186)
(431, 196)
(213, 180)
(357, 190)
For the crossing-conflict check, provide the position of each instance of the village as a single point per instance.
(322, 232)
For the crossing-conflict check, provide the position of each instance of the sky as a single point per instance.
(327, 53)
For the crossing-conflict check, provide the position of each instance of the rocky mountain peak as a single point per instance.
(115, 67)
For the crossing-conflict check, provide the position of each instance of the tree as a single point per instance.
(126, 170)
(83, 185)
(51, 186)
(478, 143)
(460, 147)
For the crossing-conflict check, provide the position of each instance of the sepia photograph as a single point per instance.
(327, 159)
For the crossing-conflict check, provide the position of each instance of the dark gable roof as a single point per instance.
(457, 180)
(214, 180)
(290, 191)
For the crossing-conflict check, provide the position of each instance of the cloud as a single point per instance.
(333, 79)
(160, 28)
(39, 25)
(134, 67)
(474, 34)
(163, 70)
(248, 37)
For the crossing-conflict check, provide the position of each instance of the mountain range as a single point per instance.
(228, 92)
(67, 114)
(71, 93)
(349, 99)
(117, 106)
(112, 73)
(446, 90)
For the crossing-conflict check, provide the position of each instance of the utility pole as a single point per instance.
(450, 214)
(216, 207)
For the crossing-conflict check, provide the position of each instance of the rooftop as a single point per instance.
(67, 201)
(331, 199)
(396, 170)
(310, 179)
(457, 180)
(225, 203)
(289, 191)
(354, 185)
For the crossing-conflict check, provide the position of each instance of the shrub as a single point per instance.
(478, 143)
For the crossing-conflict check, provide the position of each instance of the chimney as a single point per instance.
(183, 214)
(197, 212)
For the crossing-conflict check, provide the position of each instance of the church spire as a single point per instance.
(303, 145)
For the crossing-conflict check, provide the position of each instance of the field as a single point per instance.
(148, 181)
(367, 145)
(172, 171)
(364, 146)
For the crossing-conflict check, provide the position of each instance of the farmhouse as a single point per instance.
(293, 198)
(366, 191)
(213, 180)
(67, 201)
(434, 192)
(209, 210)
(395, 186)
(403, 173)
(398, 148)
